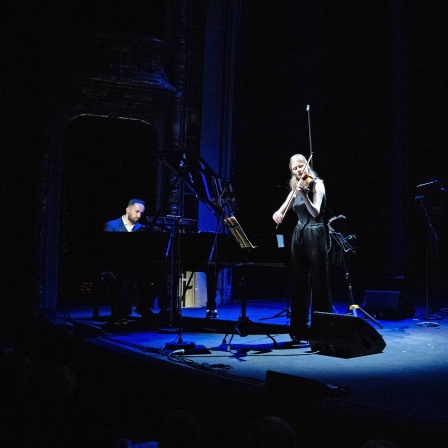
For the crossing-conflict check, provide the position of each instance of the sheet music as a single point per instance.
(280, 242)
(237, 231)
(214, 191)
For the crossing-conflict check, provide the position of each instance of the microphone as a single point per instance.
(307, 107)
(175, 352)
(428, 183)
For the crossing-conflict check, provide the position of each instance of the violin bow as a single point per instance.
(309, 162)
(309, 135)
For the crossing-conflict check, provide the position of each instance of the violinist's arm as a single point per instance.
(318, 194)
(280, 213)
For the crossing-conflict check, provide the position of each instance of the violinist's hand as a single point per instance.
(277, 217)
(303, 186)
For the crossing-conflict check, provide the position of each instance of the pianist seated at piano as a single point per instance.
(133, 282)
(129, 222)
(309, 255)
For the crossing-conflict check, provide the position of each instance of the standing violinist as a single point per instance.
(309, 254)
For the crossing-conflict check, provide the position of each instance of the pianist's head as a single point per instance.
(135, 210)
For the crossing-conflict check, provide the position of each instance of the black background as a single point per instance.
(361, 66)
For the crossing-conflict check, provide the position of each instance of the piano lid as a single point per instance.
(214, 191)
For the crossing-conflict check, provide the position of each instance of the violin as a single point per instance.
(307, 178)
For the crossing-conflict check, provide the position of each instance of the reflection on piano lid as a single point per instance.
(197, 250)
(165, 223)
(222, 249)
(132, 251)
(212, 190)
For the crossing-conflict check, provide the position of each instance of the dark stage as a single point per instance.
(399, 393)
(98, 94)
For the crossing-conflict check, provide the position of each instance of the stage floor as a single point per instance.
(409, 377)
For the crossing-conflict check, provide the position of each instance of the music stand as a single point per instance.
(287, 310)
(346, 247)
(243, 321)
(238, 233)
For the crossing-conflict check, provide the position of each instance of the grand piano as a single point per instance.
(176, 246)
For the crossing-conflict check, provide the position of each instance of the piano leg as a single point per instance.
(211, 275)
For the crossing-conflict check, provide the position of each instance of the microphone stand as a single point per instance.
(429, 231)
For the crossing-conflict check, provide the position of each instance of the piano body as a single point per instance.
(210, 253)
(196, 251)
